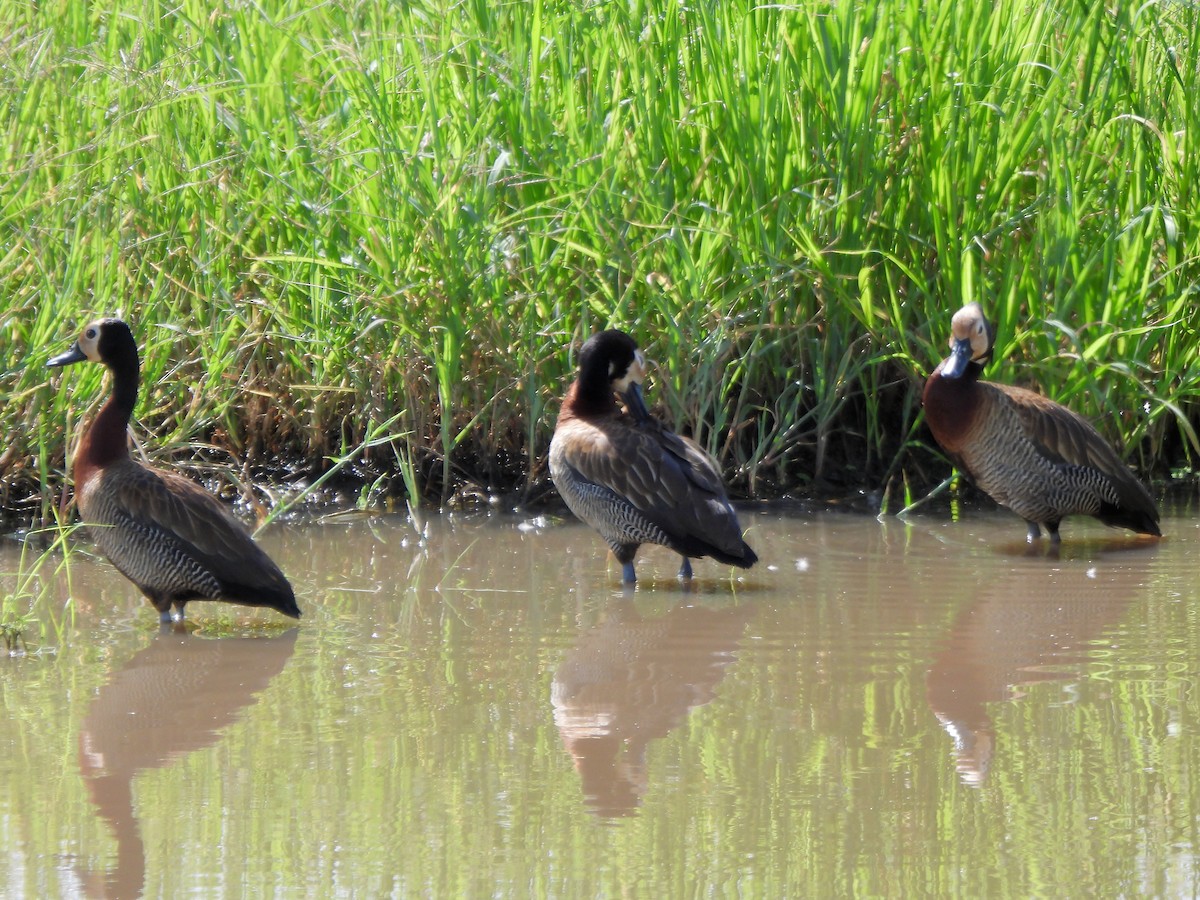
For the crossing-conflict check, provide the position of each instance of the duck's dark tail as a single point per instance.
(744, 560)
(1139, 520)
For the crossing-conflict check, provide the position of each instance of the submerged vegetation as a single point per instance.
(44, 556)
(365, 238)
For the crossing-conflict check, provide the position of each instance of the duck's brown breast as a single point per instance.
(953, 407)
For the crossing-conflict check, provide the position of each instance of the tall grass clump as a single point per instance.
(327, 218)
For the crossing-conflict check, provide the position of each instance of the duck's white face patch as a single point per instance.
(635, 373)
(89, 341)
(968, 324)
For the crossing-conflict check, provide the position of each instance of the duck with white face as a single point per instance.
(1037, 457)
(166, 534)
(629, 477)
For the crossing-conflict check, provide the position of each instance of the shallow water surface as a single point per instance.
(478, 709)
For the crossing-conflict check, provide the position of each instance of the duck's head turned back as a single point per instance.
(609, 363)
(107, 341)
(971, 339)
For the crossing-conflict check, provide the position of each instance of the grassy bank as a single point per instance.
(377, 230)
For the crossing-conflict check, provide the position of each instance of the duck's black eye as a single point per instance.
(91, 334)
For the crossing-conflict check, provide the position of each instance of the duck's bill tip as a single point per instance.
(74, 355)
(958, 360)
(636, 403)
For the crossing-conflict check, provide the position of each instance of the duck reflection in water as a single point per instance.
(1022, 630)
(171, 698)
(631, 680)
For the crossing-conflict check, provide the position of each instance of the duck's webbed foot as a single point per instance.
(171, 614)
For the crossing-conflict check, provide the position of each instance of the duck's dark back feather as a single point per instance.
(177, 542)
(1066, 437)
(637, 485)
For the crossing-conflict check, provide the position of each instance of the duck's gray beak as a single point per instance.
(958, 360)
(73, 355)
(635, 402)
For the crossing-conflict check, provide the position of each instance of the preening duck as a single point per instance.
(628, 476)
(1027, 452)
(166, 534)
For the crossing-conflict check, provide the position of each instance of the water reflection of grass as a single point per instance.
(324, 217)
(415, 754)
(45, 555)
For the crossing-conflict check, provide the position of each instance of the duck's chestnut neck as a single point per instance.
(105, 441)
(584, 402)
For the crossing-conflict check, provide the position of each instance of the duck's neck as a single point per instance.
(105, 441)
(950, 405)
(584, 404)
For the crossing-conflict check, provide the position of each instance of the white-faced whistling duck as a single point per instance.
(166, 534)
(1033, 455)
(628, 476)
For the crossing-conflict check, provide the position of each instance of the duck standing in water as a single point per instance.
(1028, 453)
(166, 534)
(629, 477)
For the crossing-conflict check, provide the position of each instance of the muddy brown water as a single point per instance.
(478, 709)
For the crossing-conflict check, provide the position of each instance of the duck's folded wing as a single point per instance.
(1065, 436)
(1061, 434)
(195, 521)
(696, 465)
(667, 479)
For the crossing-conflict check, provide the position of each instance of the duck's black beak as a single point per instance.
(73, 355)
(636, 403)
(958, 360)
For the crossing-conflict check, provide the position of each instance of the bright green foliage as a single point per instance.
(323, 217)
